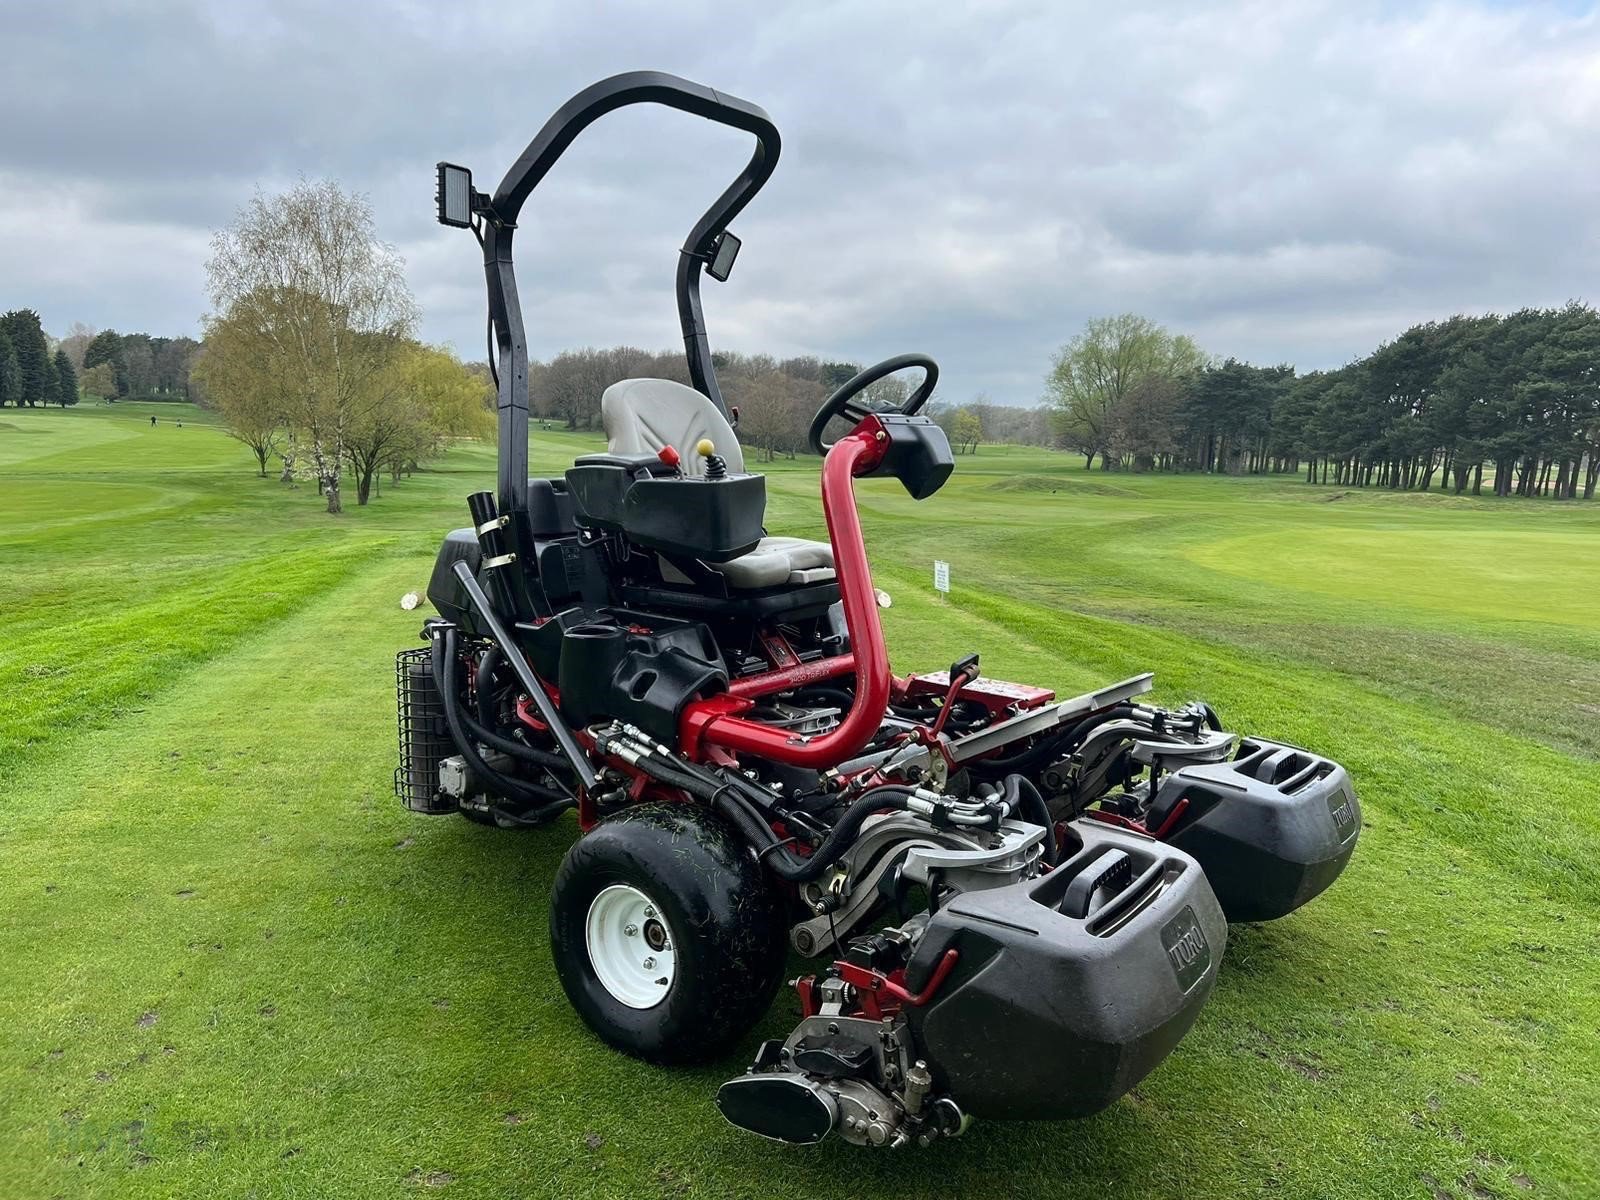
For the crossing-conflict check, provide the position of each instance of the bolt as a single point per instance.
(649, 964)
(630, 930)
(648, 911)
(833, 1027)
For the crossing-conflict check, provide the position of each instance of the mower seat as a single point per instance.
(774, 562)
(643, 415)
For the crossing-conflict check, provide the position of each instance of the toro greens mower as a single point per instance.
(1016, 902)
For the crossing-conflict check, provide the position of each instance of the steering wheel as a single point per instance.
(841, 403)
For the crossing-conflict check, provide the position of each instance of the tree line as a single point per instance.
(310, 355)
(775, 398)
(37, 370)
(133, 366)
(1511, 402)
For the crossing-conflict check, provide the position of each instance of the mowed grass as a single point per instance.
(231, 965)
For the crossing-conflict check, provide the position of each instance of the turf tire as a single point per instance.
(725, 919)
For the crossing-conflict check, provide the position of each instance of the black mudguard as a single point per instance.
(1051, 1013)
(1273, 827)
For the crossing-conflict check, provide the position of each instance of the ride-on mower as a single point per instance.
(1017, 902)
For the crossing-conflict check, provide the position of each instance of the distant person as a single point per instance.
(152, 420)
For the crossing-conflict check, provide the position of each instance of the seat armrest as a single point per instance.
(632, 463)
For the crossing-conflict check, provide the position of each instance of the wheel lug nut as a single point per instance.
(630, 930)
(648, 911)
(649, 964)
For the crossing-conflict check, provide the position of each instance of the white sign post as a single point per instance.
(941, 576)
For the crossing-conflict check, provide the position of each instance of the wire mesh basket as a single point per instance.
(424, 734)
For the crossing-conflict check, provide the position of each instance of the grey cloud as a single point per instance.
(1286, 182)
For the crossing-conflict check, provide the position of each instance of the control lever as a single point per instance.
(716, 468)
(966, 670)
(962, 672)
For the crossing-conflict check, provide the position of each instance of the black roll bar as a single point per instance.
(499, 214)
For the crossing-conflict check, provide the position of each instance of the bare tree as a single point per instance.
(76, 344)
(775, 408)
(321, 308)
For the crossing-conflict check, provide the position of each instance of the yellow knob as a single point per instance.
(705, 447)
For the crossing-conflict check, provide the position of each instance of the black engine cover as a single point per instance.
(445, 592)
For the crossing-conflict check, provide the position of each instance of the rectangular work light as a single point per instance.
(455, 196)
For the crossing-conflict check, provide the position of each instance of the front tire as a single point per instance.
(667, 935)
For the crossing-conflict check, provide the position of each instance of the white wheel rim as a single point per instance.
(631, 946)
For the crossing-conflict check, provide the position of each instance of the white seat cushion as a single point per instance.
(774, 562)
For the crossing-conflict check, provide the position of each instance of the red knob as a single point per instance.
(668, 455)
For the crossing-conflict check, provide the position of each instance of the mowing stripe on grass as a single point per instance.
(90, 667)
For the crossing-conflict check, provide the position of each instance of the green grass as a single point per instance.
(231, 965)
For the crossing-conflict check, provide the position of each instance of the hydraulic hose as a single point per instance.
(835, 696)
(1022, 797)
(726, 794)
(483, 684)
(1046, 748)
(839, 839)
(722, 797)
(570, 749)
(461, 725)
(548, 803)
(530, 754)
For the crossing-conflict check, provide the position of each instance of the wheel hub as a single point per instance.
(630, 946)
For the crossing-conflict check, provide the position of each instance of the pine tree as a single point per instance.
(66, 380)
(38, 380)
(10, 379)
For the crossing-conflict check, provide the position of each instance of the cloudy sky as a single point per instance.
(1286, 182)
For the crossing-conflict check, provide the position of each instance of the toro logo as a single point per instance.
(1343, 807)
(1187, 948)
